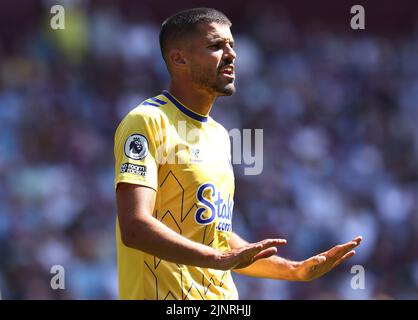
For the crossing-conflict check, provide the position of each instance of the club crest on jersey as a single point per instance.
(136, 147)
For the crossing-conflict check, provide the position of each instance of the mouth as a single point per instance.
(228, 72)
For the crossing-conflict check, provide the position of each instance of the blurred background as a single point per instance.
(339, 109)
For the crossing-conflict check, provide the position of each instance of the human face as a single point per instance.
(212, 59)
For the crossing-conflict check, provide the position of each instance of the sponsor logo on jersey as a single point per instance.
(213, 206)
(134, 169)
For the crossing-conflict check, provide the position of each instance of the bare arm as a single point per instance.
(275, 267)
(140, 230)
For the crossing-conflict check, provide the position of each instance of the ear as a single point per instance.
(176, 57)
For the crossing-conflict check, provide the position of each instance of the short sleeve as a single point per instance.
(135, 148)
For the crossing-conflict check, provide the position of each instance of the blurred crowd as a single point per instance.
(339, 113)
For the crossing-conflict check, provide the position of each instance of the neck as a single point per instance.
(194, 99)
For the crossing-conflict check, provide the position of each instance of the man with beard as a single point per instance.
(175, 194)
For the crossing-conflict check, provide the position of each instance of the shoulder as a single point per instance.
(218, 127)
(147, 113)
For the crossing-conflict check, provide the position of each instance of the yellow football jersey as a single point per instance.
(186, 158)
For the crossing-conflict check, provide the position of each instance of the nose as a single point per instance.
(229, 52)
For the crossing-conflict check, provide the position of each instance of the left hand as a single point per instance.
(324, 262)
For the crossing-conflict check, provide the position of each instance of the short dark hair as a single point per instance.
(185, 23)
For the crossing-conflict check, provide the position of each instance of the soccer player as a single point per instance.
(175, 184)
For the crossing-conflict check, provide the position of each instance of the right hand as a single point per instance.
(246, 255)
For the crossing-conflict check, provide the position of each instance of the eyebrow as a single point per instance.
(218, 40)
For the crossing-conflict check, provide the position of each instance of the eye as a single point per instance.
(216, 46)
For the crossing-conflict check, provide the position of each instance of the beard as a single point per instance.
(212, 82)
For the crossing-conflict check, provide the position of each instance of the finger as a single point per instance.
(358, 239)
(254, 248)
(250, 251)
(265, 254)
(345, 257)
(252, 254)
(271, 243)
(341, 249)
